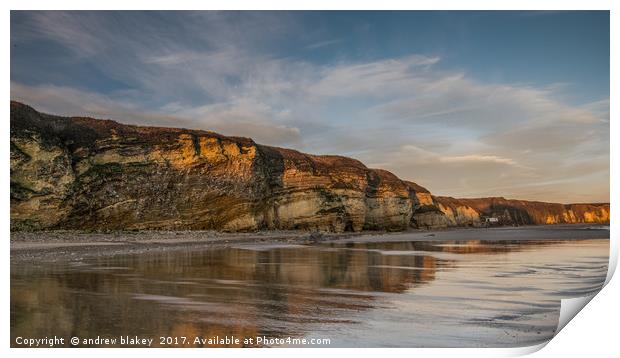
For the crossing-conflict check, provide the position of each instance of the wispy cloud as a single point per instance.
(319, 44)
(477, 158)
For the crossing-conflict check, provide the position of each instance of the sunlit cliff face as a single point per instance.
(522, 212)
(83, 173)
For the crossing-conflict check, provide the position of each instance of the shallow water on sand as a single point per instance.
(376, 294)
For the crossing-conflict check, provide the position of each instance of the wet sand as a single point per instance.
(63, 245)
(497, 287)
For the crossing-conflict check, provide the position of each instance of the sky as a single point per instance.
(466, 104)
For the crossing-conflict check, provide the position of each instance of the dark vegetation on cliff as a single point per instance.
(84, 173)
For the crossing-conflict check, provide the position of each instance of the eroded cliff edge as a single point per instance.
(84, 173)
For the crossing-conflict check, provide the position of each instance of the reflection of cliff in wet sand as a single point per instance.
(83, 173)
(240, 291)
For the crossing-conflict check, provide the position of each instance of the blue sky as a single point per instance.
(465, 103)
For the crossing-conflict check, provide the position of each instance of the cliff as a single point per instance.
(84, 173)
(523, 212)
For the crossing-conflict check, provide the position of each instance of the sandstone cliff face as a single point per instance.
(83, 173)
(426, 212)
(442, 212)
(522, 212)
(458, 213)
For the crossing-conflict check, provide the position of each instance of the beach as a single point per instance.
(495, 287)
(63, 245)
